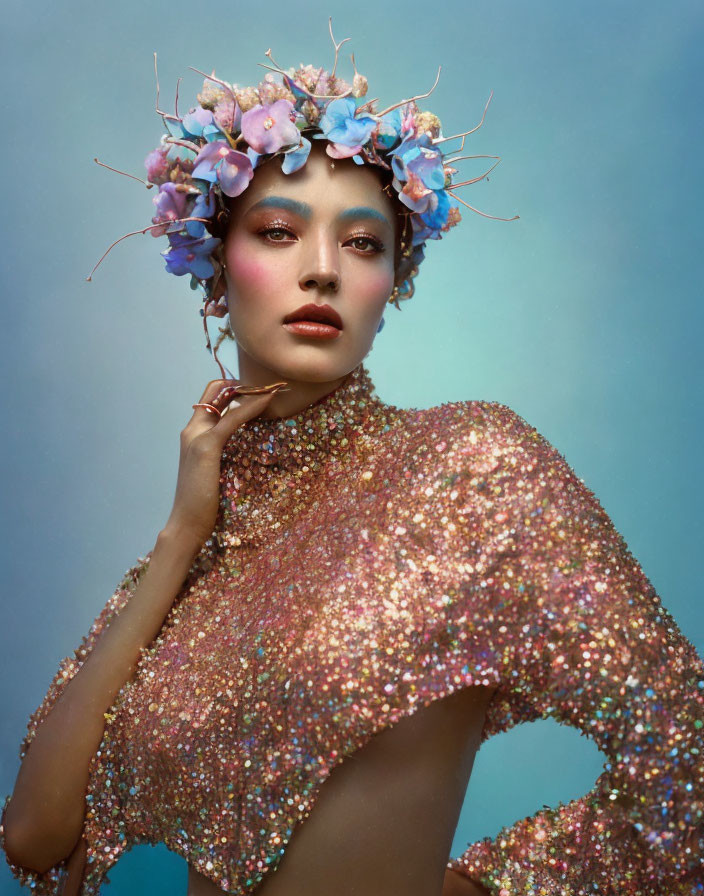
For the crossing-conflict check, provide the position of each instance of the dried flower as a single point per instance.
(227, 114)
(211, 94)
(247, 98)
(359, 85)
(426, 122)
(270, 90)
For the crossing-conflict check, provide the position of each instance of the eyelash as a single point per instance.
(376, 245)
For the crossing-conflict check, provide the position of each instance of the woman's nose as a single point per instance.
(321, 265)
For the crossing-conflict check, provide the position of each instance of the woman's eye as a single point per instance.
(366, 244)
(277, 234)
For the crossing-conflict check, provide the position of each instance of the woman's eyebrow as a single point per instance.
(292, 205)
(305, 211)
(363, 211)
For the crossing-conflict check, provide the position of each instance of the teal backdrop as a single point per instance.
(585, 316)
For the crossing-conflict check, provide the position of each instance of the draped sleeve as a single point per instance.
(584, 639)
(51, 882)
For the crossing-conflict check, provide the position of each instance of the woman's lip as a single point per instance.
(314, 329)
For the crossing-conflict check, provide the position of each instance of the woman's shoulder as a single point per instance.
(485, 455)
(484, 438)
(472, 422)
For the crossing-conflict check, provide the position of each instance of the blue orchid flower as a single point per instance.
(194, 122)
(418, 156)
(187, 255)
(296, 158)
(430, 224)
(253, 156)
(203, 207)
(438, 211)
(339, 124)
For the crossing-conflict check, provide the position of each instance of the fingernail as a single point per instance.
(234, 404)
(258, 390)
(223, 393)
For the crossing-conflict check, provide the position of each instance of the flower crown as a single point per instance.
(211, 153)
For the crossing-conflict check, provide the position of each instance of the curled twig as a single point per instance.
(420, 96)
(465, 134)
(117, 171)
(483, 214)
(135, 232)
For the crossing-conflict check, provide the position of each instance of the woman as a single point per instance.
(348, 597)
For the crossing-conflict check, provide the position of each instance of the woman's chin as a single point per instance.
(309, 366)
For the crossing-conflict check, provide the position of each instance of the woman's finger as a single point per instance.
(231, 399)
(241, 409)
(206, 410)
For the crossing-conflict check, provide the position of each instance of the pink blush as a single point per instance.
(372, 284)
(258, 274)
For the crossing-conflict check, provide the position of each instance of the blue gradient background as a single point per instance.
(585, 316)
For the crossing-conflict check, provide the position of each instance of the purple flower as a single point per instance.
(269, 128)
(157, 165)
(190, 256)
(340, 151)
(421, 232)
(217, 161)
(171, 205)
(341, 126)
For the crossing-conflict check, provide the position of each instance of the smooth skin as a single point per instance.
(384, 819)
(323, 235)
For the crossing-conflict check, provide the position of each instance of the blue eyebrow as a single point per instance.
(363, 211)
(291, 205)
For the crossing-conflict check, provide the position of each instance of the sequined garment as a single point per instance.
(366, 561)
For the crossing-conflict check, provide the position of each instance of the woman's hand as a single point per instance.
(202, 440)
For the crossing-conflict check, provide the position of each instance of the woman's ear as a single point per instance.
(219, 286)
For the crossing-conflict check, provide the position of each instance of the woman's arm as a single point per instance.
(581, 636)
(45, 816)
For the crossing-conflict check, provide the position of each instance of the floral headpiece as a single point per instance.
(210, 154)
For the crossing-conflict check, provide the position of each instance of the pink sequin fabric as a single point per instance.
(368, 560)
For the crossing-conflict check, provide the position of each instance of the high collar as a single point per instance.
(306, 439)
(275, 468)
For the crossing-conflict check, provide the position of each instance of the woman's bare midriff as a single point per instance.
(384, 819)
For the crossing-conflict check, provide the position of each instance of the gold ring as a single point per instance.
(209, 407)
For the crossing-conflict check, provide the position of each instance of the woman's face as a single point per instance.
(324, 236)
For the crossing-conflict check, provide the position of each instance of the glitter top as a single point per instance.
(366, 561)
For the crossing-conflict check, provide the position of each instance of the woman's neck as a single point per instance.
(298, 394)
